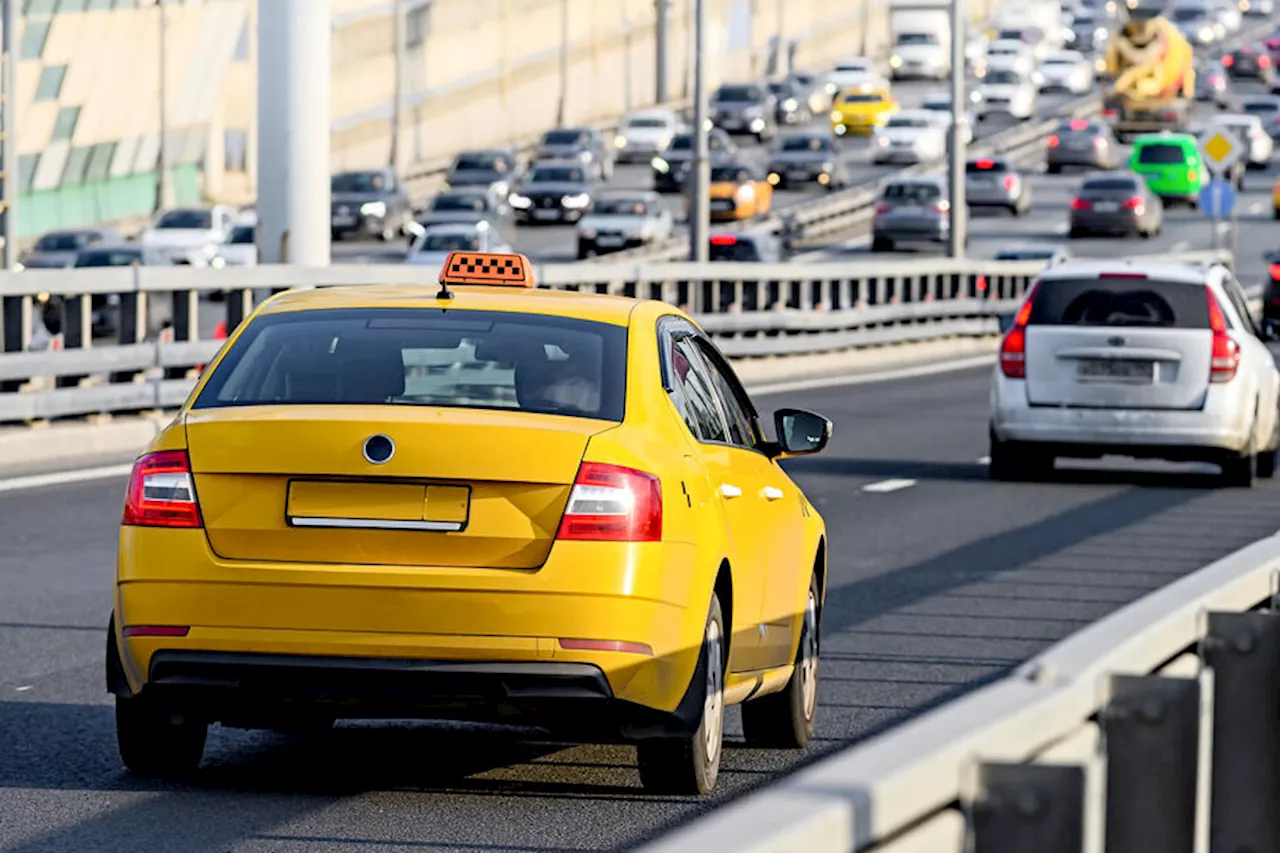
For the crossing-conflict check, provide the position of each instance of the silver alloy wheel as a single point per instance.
(713, 705)
(809, 659)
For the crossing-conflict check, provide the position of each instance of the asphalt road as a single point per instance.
(938, 582)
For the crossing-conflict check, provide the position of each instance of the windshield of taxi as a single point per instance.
(424, 357)
(863, 98)
(729, 174)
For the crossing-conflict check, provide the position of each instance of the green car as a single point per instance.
(1171, 165)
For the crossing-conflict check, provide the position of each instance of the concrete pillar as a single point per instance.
(293, 131)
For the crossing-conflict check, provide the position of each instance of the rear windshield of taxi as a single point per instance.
(424, 357)
(1120, 302)
(1162, 154)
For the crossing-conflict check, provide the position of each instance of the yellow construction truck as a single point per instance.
(1153, 79)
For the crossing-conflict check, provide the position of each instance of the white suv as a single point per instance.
(1161, 361)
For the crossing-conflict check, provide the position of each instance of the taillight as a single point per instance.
(610, 503)
(1134, 203)
(1274, 270)
(1264, 62)
(1192, 175)
(1110, 112)
(1080, 204)
(1013, 349)
(1009, 182)
(1054, 141)
(1228, 61)
(1226, 352)
(161, 492)
(883, 207)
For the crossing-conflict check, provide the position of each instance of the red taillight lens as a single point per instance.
(1079, 124)
(1009, 181)
(1054, 141)
(1013, 349)
(1226, 352)
(1080, 204)
(156, 631)
(1110, 112)
(985, 164)
(162, 492)
(883, 207)
(1274, 270)
(610, 503)
(1134, 203)
(1264, 62)
(724, 240)
(1228, 61)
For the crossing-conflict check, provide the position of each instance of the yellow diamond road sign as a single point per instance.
(1222, 149)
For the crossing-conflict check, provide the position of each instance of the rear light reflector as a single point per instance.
(156, 630)
(1274, 271)
(883, 207)
(1080, 204)
(1228, 61)
(1054, 141)
(606, 646)
(1134, 203)
(985, 164)
(610, 503)
(162, 492)
(1192, 175)
(1264, 62)
(724, 240)
(1009, 182)
(1013, 349)
(1225, 360)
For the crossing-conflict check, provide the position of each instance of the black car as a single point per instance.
(758, 247)
(1082, 142)
(59, 248)
(496, 168)
(1091, 29)
(745, 108)
(1212, 83)
(793, 103)
(468, 204)
(104, 307)
(807, 158)
(583, 144)
(1115, 203)
(1250, 62)
(554, 191)
(671, 168)
(369, 203)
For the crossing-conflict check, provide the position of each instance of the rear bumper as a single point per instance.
(1121, 222)
(1074, 157)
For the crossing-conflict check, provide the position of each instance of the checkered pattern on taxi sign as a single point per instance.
(508, 270)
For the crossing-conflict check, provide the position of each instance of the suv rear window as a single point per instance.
(1109, 186)
(912, 193)
(423, 357)
(1120, 302)
(1162, 154)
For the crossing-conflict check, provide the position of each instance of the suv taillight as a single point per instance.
(1274, 271)
(161, 492)
(1225, 360)
(883, 207)
(1134, 203)
(1009, 182)
(610, 503)
(1013, 349)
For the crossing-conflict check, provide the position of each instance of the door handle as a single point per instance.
(729, 491)
(773, 493)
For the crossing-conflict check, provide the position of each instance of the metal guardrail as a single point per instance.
(1153, 730)
(751, 309)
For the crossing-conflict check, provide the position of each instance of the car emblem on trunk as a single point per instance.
(379, 449)
(1116, 341)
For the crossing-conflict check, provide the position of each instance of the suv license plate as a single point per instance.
(1124, 370)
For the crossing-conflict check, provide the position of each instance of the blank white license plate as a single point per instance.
(546, 214)
(344, 220)
(608, 241)
(1125, 370)
(1107, 206)
(797, 176)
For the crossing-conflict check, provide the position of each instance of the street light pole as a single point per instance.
(9, 147)
(661, 30)
(700, 203)
(562, 112)
(398, 28)
(958, 204)
(163, 192)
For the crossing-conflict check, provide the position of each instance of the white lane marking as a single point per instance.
(1255, 208)
(23, 689)
(931, 369)
(888, 486)
(1180, 246)
(84, 475)
(984, 460)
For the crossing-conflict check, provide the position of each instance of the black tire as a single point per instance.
(1275, 213)
(880, 244)
(154, 741)
(1075, 233)
(1015, 210)
(1266, 465)
(1016, 463)
(1053, 168)
(690, 765)
(785, 720)
(1240, 472)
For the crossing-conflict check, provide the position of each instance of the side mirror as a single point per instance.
(801, 432)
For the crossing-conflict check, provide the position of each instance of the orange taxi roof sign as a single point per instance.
(491, 268)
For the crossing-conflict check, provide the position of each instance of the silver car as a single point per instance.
(623, 219)
(644, 134)
(911, 210)
(1160, 361)
(996, 182)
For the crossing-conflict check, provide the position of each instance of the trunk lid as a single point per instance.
(1127, 343)
(291, 483)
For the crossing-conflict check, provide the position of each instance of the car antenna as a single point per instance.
(444, 292)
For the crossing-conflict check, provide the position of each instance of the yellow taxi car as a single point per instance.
(861, 110)
(490, 503)
(739, 191)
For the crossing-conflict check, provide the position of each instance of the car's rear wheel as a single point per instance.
(690, 765)
(785, 720)
(1014, 462)
(1266, 466)
(881, 244)
(155, 740)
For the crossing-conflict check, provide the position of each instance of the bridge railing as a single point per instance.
(163, 328)
(1154, 730)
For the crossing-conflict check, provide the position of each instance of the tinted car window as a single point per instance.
(480, 163)
(68, 241)
(646, 122)
(109, 258)
(1002, 77)
(423, 357)
(1160, 154)
(807, 143)
(194, 219)
(564, 137)
(1261, 107)
(450, 243)
(912, 193)
(557, 174)
(1187, 15)
(1024, 255)
(908, 121)
(738, 93)
(458, 201)
(729, 174)
(1110, 185)
(681, 142)
(696, 393)
(918, 38)
(240, 235)
(358, 182)
(1121, 302)
(621, 207)
(862, 98)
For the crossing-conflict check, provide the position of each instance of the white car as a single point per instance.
(645, 134)
(240, 248)
(911, 136)
(854, 73)
(1015, 55)
(1068, 71)
(940, 103)
(1249, 128)
(623, 219)
(433, 245)
(180, 235)
(1160, 361)
(1005, 92)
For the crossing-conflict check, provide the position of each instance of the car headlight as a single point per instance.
(373, 208)
(757, 125)
(1038, 78)
(587, 233)
(1100, 34)
(895, 61)
(619, 141)
(837, 116)
(789, 104)
(660, 165)
(774, 178)
(520, 201)
(576, 201)
(882, 141)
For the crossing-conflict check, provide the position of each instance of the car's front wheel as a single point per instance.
(155, 740)
(785, 720)
(690, 765)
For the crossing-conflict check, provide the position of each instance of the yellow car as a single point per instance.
(861, 110)
(490, 503)
(738, 192)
